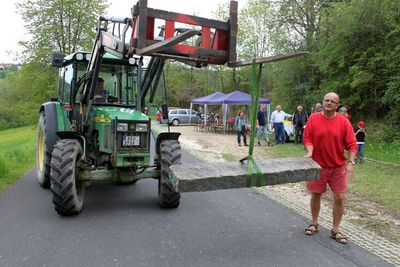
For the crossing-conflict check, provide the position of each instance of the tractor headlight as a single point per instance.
(122, 127)
(141, 127)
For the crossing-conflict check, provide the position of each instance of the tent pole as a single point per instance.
(224, 110)
(190, 112)
(205, 116)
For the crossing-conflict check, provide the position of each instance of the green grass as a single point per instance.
(383, 152)
(17, 154)
(228, 157)
(287, 150)
(378, 182)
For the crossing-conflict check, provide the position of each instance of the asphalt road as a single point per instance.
(123, 226)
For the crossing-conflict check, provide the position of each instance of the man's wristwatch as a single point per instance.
(352, 162)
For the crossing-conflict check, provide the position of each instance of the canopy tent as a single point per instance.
(204, 100)
(241, 98)
(212, 99)
(233, 98)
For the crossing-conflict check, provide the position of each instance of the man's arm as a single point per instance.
(351, 146)
(350, 164)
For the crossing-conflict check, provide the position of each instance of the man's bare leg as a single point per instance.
(315, 204)
(338, 210)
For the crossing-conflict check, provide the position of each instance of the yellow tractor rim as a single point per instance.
(41, 150)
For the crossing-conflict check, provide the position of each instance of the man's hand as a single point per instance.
(310, 149)
(308, 155)
(349, 170)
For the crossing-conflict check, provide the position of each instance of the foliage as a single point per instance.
(56, 25)
(254, 28)
(59, 25)
(358, 55)
(17, 154)
(26, 89)
(185, 83)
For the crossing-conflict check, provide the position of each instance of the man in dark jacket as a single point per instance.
(299, 121)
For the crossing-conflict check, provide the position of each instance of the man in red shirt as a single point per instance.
(326, 136)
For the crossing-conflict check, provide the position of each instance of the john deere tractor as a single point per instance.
(87, 134)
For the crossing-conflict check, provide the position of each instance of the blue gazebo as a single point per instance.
(233, 98)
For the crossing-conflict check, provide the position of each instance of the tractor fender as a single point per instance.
(165, 136)
(50, 113)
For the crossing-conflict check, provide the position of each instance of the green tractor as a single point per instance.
(97, 128)
(108, 138)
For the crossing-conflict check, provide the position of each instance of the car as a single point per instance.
(289, 128)
(182, 115)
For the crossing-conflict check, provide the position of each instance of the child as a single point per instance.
(361, 134)
(240, 127)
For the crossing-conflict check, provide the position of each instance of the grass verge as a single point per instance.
(17, 154)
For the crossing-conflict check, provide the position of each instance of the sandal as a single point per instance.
(312, 229)
(339, 237)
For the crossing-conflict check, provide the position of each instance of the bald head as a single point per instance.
(330, 104)
(332, 95)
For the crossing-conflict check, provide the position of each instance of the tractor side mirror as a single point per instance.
(164, 109)
(57, 59)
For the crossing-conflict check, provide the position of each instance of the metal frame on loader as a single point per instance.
(81, 140)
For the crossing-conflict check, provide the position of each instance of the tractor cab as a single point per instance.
(119, 79)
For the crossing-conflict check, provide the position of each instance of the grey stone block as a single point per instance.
(229, 175)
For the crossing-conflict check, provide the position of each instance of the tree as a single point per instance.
(358, 55)
(59, 25)
(255, 25)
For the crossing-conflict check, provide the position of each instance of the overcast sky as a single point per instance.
(16, 32)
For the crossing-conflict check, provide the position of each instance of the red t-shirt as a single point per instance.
(329, 137)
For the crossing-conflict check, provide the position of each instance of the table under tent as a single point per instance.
(225, 100)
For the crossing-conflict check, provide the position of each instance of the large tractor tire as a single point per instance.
(68, 191)
(170, 154)
(43, 153)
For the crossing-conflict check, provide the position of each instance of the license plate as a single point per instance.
(131, 140)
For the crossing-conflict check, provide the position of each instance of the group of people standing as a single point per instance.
(299, 121)
(262, 127)
(278, 116)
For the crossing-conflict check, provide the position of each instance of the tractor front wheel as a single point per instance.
(68, 191)
(170, 154)
(43, 153)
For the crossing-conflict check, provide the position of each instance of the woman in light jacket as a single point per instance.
(240, 126)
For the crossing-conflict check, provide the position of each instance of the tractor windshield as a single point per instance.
(119, 84)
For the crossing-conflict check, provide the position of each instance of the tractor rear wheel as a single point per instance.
(43, 153)
(170, 154)
(68, 191)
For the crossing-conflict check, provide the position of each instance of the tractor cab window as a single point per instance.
(66, 75)
(119, 84)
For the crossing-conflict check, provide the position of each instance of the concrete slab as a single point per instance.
(229, 175)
